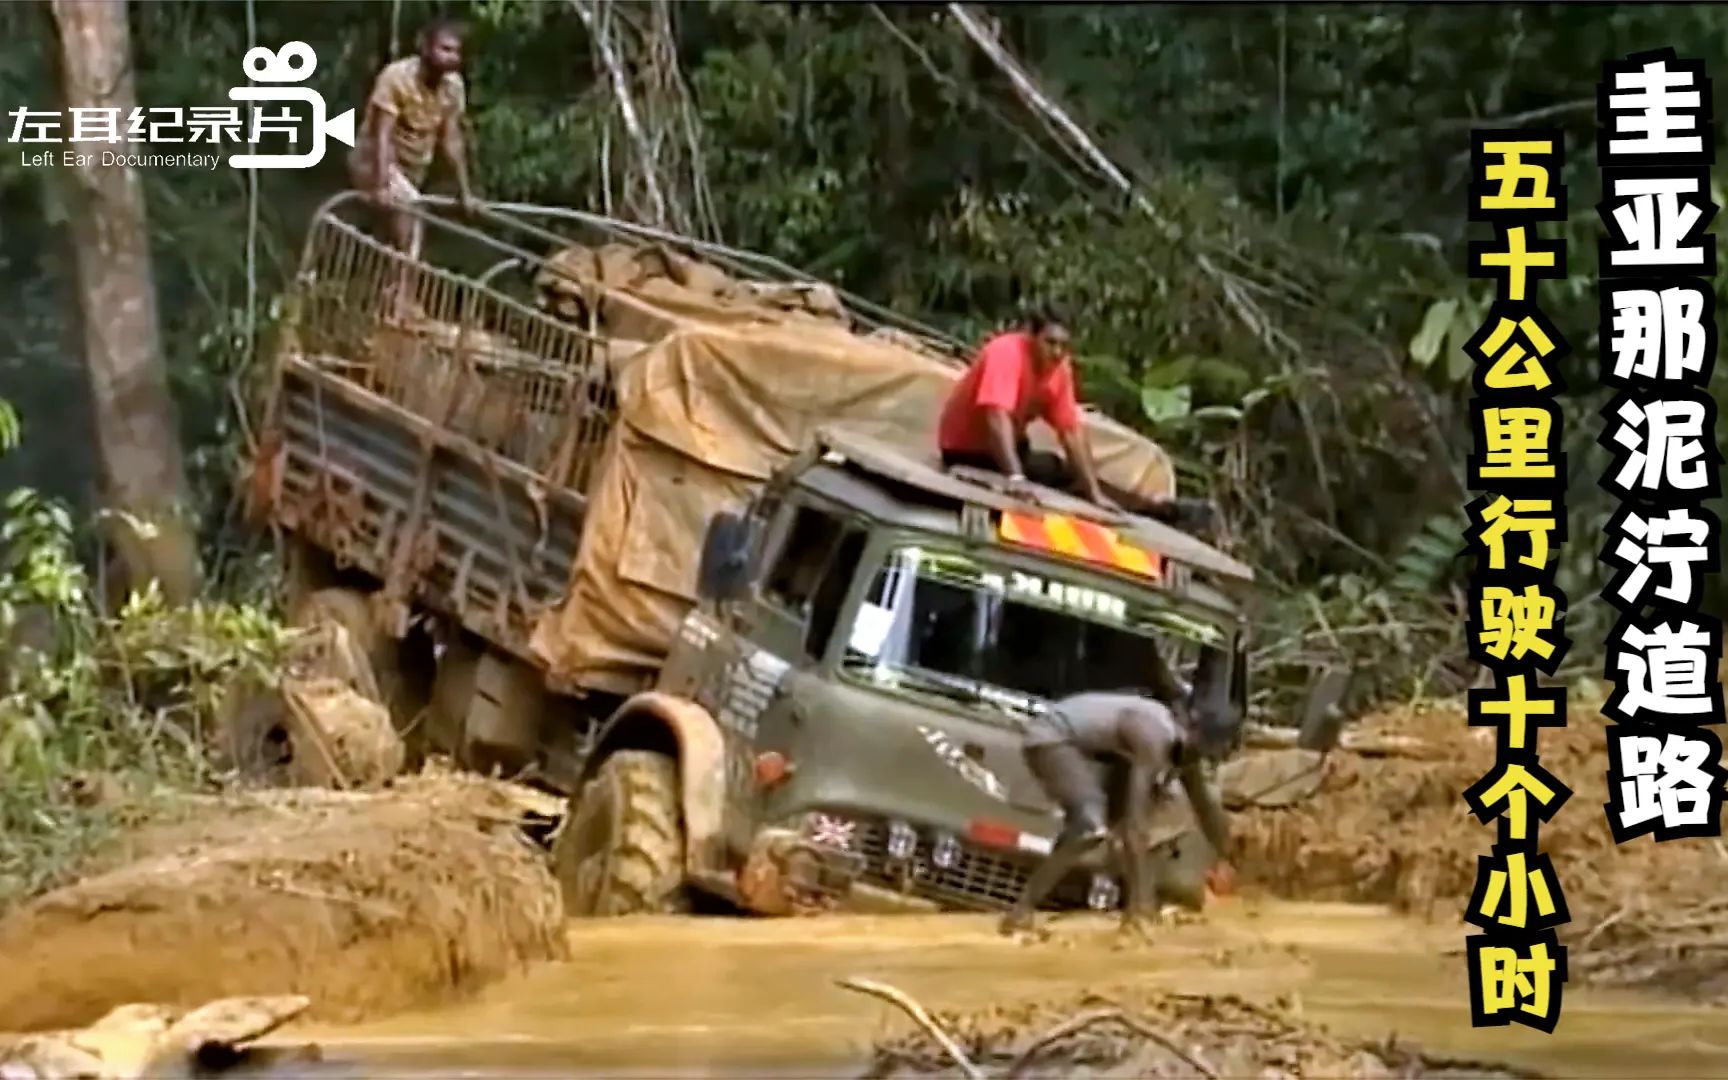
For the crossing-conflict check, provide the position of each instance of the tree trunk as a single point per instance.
(137, 429)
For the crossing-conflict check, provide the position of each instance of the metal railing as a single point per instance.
(467, 355)
(751, 266)
(457, 351)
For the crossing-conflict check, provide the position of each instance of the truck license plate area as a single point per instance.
(974, 877)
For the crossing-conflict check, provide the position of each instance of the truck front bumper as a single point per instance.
(789, 871)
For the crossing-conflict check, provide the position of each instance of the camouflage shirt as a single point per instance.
(420, 113)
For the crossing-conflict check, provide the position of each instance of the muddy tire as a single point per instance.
(621, 852)
(352, 611)
(252, 735)
(349, 609)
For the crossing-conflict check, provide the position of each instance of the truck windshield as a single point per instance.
(950, 624)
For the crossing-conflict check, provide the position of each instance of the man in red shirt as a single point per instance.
(1026, 375)
(1018, 377)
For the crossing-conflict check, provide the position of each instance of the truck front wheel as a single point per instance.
(622, 850)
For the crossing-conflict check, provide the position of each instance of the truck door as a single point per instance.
(810, 566)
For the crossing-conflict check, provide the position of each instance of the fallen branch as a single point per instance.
(373, 907)
(599, 29)
(920, 1016)
(1076, 1024)
(1044, 107)
(1462, 122)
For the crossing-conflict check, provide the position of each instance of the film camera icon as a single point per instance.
(293, 63)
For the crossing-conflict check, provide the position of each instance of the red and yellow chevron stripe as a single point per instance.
(1079, 539)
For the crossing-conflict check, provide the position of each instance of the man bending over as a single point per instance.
(1068, 752)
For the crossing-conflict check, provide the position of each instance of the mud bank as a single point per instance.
(365, 903)
(1395, 830)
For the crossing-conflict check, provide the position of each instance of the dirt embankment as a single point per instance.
(365, 903)
(1153, 1034)
(1395, 830)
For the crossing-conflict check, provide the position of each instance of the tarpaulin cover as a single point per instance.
(735, 385)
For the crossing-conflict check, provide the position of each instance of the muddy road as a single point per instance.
(424, 928)
(757, 997)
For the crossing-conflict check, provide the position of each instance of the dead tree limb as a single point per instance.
(1041, 103)
(1076, 1024)
(919, 1015)
(600, 30)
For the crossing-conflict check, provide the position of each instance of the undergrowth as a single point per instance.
(100, 714)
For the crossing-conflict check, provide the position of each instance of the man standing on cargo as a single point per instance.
(1068, 751)
(416, 108)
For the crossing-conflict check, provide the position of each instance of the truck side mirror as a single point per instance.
(1323, 712)
(724, 572)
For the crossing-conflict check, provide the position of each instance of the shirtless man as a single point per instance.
(1068, 751)
(416, 109)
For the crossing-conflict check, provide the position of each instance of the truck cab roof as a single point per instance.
(900, 490)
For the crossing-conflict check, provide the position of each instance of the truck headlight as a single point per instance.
(902, 840)
(946, 852)
(1104, 893)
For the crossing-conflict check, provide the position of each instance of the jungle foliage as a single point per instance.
(1281, 304)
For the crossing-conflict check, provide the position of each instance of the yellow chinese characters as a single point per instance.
(1513, 786)
(1512, 170)
(1535, 518)
(1514, 623)
(1518, 447)
(1519, 260)
(1516, 888)
(1516, 611)
(1523, 981)
(1514, 350)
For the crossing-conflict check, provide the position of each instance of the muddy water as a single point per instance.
(757, 997)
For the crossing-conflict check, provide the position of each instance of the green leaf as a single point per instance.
(1425, 346)
(1170, 374)
(1162, 405)
(1217, 412)
(10, 428)
(1459, 363)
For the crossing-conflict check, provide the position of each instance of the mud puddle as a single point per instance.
(757, 997)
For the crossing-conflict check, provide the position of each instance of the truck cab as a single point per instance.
(873, 638)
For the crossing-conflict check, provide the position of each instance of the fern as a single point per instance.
(1427, 559)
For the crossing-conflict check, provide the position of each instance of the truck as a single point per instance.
(656, 525)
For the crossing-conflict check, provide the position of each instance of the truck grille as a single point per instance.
(979, 877)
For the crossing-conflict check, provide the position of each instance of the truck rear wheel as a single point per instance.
(622, 850)
(351, 610)
(348, 609)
